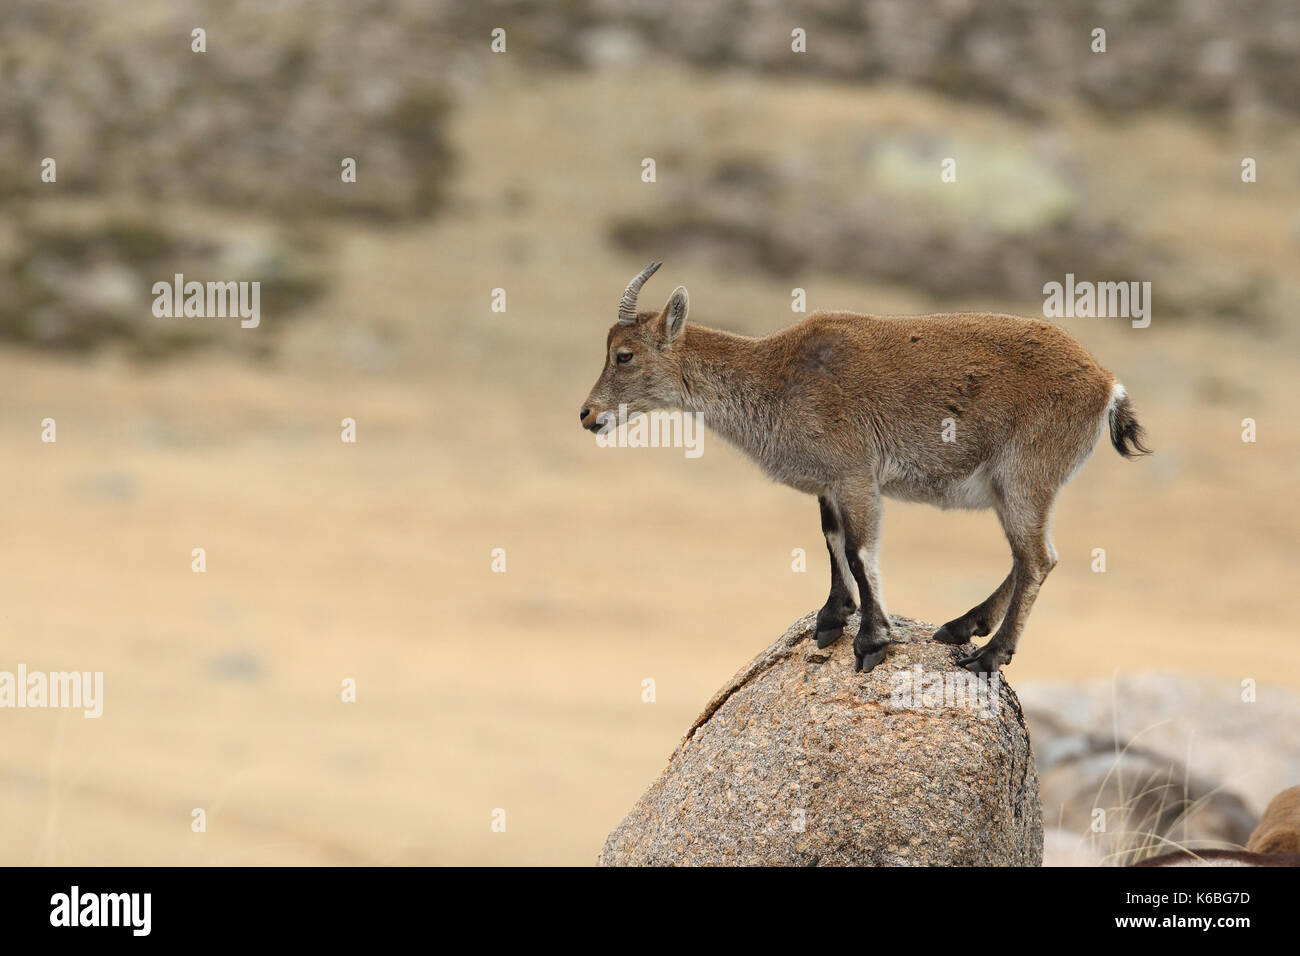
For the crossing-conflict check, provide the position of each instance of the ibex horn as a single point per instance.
(627, 308)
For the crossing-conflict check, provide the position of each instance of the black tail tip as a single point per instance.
(1125, 432)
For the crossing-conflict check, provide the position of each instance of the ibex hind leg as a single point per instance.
(981, 619)
(1025, 520)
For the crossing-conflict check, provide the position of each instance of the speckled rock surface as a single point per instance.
(798, 761)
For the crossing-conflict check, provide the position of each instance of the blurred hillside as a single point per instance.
(1207, 57)
(147, 131)
(522, 171)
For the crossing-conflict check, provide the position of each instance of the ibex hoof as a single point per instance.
(865, 662)
(951, 633)
(945, 636)
(984, 661)
(868, 655)
(827, 637)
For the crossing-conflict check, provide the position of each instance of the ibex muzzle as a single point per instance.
(962, 410)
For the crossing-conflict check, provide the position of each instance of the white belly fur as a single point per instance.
(973, 492)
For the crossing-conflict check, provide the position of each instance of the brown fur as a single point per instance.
(850, 407)
(1279, 831)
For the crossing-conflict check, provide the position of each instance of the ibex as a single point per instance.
(1275, 842)
(966, 410)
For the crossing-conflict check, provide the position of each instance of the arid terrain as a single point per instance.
(523, 690)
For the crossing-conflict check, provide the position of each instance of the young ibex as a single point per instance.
(962, 411)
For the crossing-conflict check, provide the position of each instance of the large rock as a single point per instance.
(800, 761)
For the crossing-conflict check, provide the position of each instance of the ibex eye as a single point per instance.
(624, 357)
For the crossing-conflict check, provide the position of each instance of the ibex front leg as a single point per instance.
(858, 508)
(844, 589)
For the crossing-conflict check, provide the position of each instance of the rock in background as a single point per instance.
(1172, 761)
(218, 164)
(800, 761)
(1196, 55)
(872, 208)
(262, 120)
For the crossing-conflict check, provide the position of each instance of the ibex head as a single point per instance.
(642, 358)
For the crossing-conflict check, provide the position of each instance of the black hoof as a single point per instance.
(827, 637)
(982, 661)
(945, 635)
(868, 649)
(960, 631)
(866, 661)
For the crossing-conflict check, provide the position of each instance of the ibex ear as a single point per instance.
(675, 313)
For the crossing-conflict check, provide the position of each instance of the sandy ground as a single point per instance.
(523, 690)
